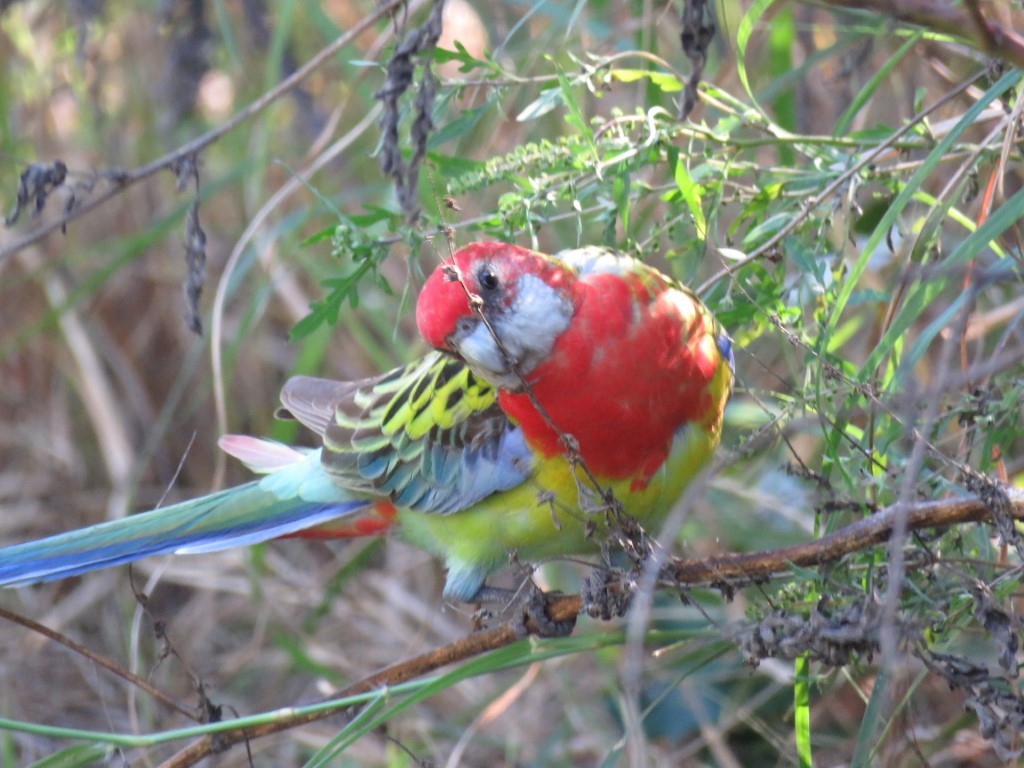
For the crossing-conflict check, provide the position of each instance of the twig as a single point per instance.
(103, 661)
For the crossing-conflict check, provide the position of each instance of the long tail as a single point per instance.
(295, 496)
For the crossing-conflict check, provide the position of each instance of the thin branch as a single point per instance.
(102, 661)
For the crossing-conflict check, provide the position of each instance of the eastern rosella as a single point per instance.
(466, 449)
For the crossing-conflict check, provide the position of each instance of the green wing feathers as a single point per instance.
(429, 436)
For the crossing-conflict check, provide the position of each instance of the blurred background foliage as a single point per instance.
(845, 195)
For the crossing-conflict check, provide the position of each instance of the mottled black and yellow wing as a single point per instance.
(429, 436)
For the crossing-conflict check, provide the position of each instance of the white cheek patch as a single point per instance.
(536, 318)
(527, 330)
(480, 350)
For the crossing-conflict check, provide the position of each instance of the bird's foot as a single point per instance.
(535, 619)
(606, 594)
(480, 618)
(528, 609)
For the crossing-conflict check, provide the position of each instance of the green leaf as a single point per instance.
(665, 81)
(877, 80)
(461, 55)
(324, 234)
(802, 709)
(374, 214)
(691, 192)
(865, 745)
(575, 117)
(458, 127)
(549, 99)
(76, 756)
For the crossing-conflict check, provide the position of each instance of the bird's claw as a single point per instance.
(527, 608)
(532, 616)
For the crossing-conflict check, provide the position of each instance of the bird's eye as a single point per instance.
(488, 278)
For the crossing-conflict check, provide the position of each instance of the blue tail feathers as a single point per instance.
(239, 516)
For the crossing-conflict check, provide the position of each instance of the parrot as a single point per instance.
(554, 382)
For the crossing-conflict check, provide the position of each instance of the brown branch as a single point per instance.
(748, 566)
(745, 567)
(124, 179)
(964, 22)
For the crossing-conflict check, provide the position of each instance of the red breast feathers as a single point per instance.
(614, 352)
